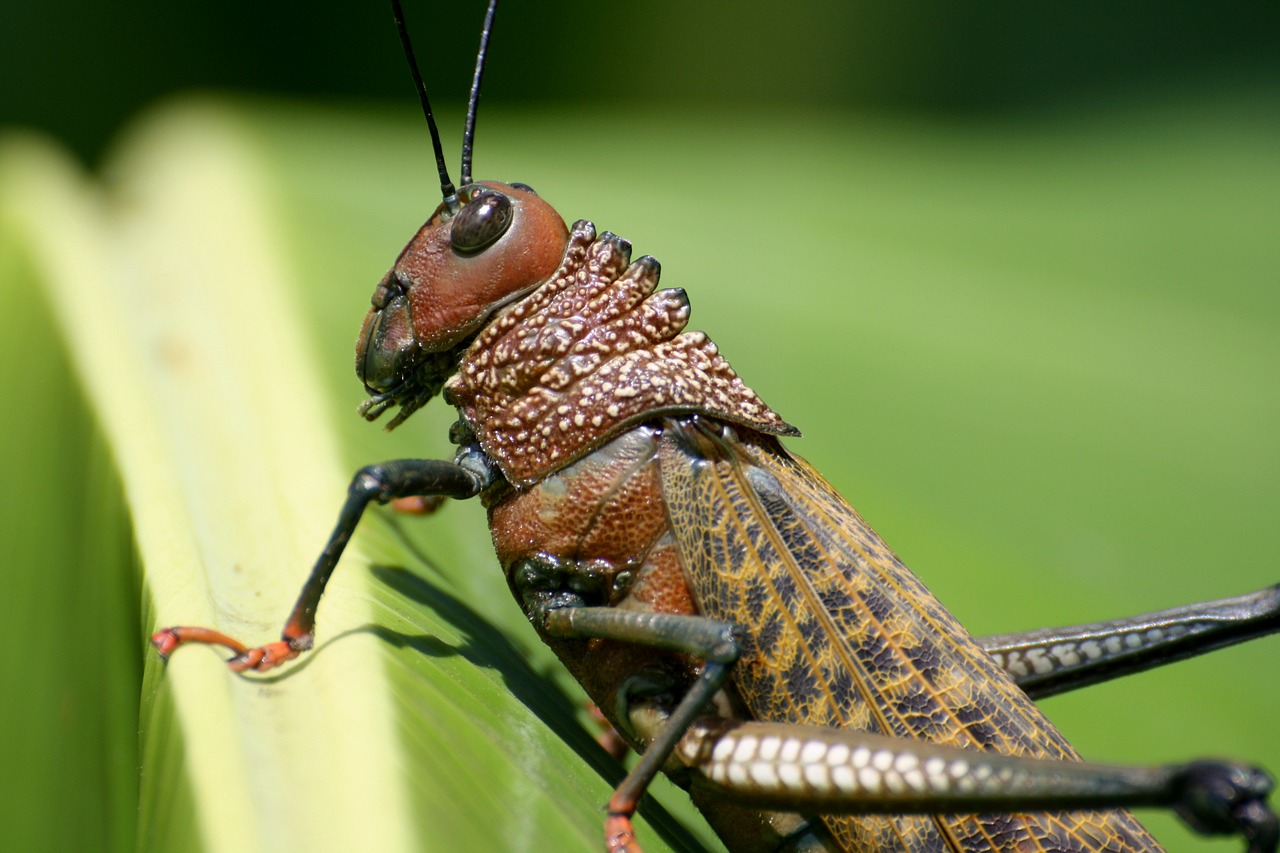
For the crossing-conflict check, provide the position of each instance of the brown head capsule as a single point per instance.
(453, 275)
(486, 244)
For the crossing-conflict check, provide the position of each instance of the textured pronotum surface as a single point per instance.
(594, 349)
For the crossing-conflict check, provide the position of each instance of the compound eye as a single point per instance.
(480, 222)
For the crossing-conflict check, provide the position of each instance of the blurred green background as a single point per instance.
(1013, 269)
(80, 68)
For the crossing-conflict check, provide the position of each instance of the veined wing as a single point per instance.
(843, 634)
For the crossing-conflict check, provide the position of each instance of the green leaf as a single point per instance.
(1038, 355)
(415, 722)
(69, 618)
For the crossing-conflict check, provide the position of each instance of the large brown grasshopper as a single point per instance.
(731, 615)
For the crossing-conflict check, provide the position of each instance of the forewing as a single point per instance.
(843, 634)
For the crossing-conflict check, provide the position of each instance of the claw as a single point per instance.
(620, 835)
(1221, 798)
(1259, 825)
(243, 659)
(166, 640)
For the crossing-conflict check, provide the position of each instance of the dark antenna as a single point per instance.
(447, 189)
(469, 134)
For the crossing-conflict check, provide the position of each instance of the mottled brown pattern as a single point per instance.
(600, 516)
(603, 507)
(845, 635)
(593, 350)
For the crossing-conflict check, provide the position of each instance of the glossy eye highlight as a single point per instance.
(481, 222)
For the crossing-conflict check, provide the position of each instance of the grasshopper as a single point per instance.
(732, 616)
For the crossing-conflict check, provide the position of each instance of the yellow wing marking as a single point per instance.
(842, 634)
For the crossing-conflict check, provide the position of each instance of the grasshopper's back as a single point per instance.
(844, 635)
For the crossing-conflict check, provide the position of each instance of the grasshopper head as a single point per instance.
(486, 245)
(461, 266)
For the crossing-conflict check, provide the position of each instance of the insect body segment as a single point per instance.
(596, 348)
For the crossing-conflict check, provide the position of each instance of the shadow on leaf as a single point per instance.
(488, 648)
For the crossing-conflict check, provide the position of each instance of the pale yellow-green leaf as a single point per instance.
(180, 309)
